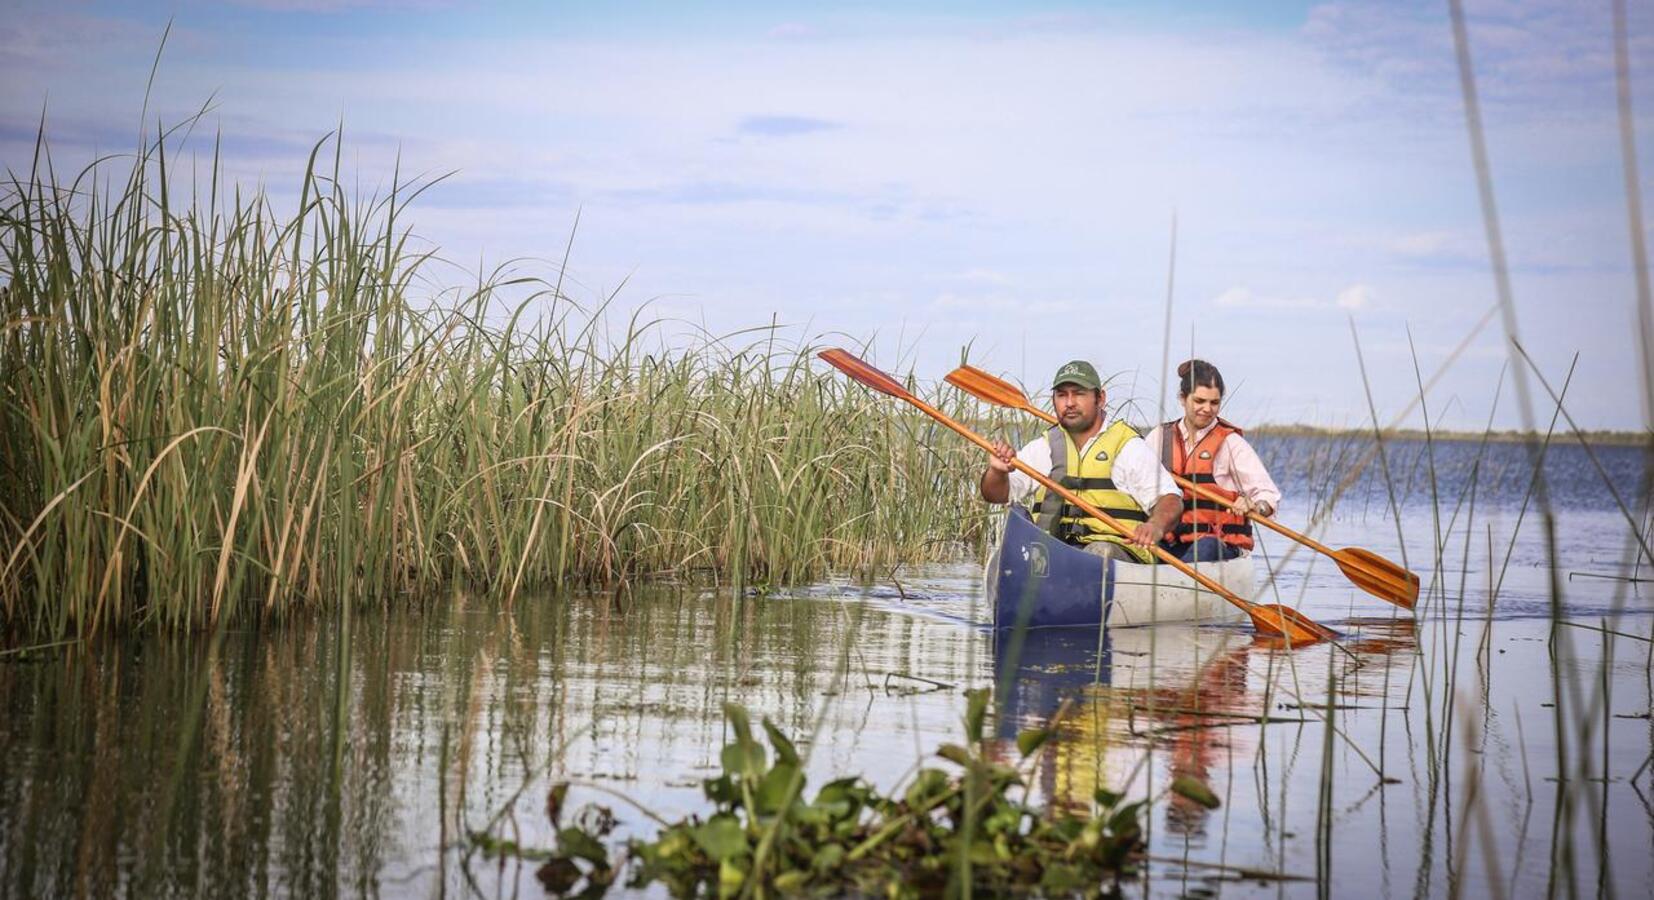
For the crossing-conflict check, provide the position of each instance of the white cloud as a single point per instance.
(1352, 297)
(1356, 296)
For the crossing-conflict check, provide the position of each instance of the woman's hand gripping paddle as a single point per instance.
(1364, 568)
(1281, 621)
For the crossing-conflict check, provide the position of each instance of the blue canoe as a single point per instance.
(1041, 582)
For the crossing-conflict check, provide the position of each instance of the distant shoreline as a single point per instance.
(1610, 438)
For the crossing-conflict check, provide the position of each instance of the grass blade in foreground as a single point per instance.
(1364, 568)
(1269, 619)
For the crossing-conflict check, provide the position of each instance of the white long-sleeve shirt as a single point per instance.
(1235, 466)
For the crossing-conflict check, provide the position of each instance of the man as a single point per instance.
(1110, 468)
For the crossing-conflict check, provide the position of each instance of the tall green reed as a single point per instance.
(213, 410)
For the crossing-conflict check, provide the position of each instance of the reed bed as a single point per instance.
(213, 411)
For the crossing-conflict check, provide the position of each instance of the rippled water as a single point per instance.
(351, 756)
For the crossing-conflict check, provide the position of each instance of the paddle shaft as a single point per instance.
(1199, 491)
(1055, 488)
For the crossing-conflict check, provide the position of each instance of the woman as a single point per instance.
(1204, 449)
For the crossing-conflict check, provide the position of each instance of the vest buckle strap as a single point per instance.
(1070, 532)
(1075, 483)
(1070, 511)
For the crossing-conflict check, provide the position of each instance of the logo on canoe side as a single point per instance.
(1038, 559)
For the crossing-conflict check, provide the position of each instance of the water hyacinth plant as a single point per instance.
(946, 832)
(211, 410)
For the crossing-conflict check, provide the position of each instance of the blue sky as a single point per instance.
(934, 175)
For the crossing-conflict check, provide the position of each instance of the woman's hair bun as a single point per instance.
(1193, 373)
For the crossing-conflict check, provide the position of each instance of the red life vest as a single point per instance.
(1202, 517)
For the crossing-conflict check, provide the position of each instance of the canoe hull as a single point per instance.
(1040, 582)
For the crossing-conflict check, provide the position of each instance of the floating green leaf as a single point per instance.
(791, 882)
(954, 753)
(777, 784)
(739, 721)
(828, 857)
(1192, 788)
(721, 838)
(743, 759)
(1032, 739)
(573, 842)
(730, 878)
(784, 749)
(925, 788)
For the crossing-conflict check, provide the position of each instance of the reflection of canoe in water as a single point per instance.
(1038, 670)
(1037, 580)
(1121, 691)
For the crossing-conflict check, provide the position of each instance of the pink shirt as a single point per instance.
(1235, 467)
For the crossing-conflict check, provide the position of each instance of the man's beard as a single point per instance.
(1081, 427)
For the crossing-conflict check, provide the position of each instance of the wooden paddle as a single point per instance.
(1364, 568)
(1267, 619)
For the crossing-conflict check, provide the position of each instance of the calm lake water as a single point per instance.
(1481, 749)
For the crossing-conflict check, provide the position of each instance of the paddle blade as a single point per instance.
(993, 389)
(1292, 626)
(1378, 576)
(853, 366)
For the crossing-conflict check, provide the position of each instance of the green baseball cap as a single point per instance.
(1077, 372)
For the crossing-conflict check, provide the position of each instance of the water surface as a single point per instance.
(352, 754)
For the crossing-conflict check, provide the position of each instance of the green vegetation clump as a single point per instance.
(948, 828)
(212, 411)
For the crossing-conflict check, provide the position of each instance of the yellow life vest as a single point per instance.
(1092, 478)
